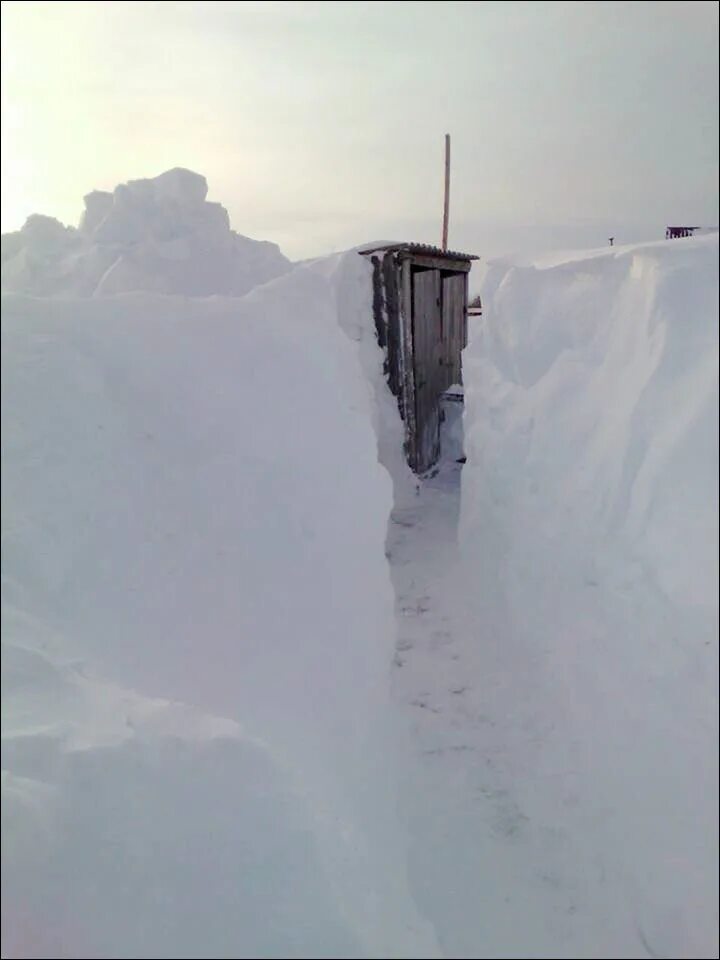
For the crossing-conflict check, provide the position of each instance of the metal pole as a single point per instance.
(446, 209)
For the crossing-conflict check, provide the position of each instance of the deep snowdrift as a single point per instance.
(159, 235)
(594, 386)
(198, 633)
(198, 751)
(589, 548)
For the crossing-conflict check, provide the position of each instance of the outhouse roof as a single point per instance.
(421, 250)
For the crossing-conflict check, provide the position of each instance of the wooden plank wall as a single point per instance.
(420, 310)
(405, 358)
(466, 300)
(453, 326)
(386, 279)
(391, 281)
(428, 351)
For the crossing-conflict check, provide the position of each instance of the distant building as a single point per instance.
(672, 233)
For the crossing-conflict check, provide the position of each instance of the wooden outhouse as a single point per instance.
(420, 297)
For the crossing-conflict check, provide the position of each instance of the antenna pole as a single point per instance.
(446, 208)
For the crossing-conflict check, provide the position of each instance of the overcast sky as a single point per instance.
(320, 125)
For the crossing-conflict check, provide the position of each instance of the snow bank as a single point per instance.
(589, 536)
(159, 235)
(136, 827)
(350, 278)
(198, 630)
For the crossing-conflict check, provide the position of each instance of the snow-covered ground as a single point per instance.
(218, 737)
(558, 616)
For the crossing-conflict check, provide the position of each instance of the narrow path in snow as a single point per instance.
(503, 856)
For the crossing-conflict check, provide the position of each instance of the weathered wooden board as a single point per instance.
(420, 310)
(437, 263)
(453, 318)
(466, 298)
(429, 370)
(405, 356)
(391, 299)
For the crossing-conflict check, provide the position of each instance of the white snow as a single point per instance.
(198, 633)
(200, 745)
(159, 235)
(559, 618)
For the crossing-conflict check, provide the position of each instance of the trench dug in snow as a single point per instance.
(467, 852)
(198, 622)
(476, 863)
(556, 610)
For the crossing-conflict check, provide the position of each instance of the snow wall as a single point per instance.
(589, 539)
(198, 757)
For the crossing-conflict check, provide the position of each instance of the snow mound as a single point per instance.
(157, 235)
(198, 746)
(589, 536)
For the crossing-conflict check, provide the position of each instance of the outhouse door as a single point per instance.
(438, 330)
(428, 350)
